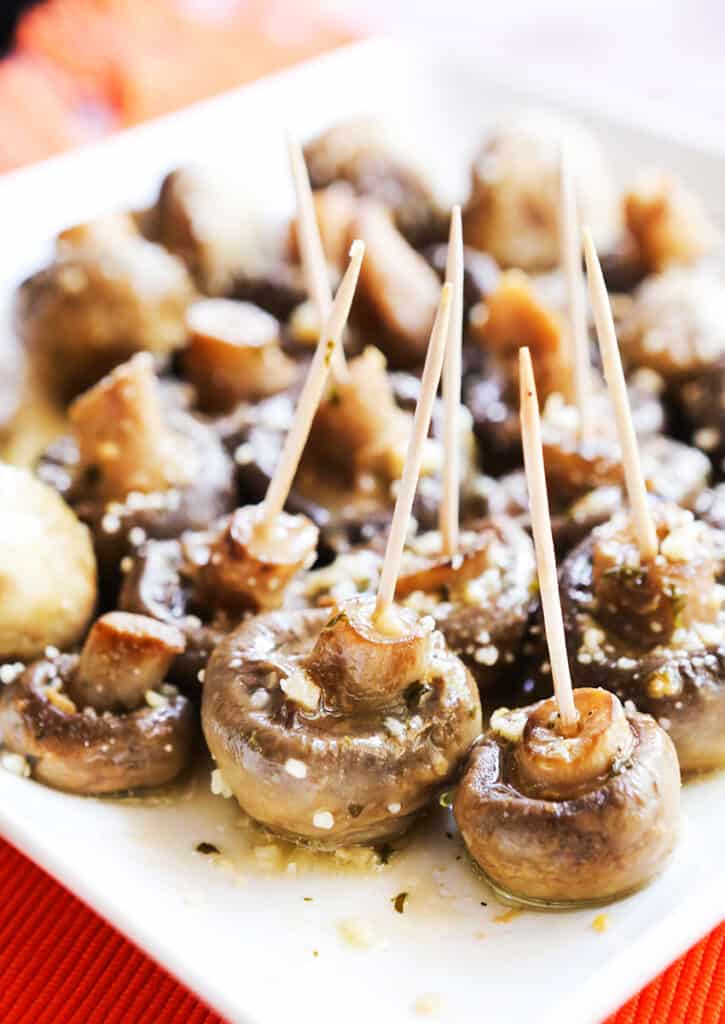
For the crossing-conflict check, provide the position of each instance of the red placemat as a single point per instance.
(61, 964)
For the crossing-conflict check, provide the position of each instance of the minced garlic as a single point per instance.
(509, 724)
(299, 687)
(219, 785)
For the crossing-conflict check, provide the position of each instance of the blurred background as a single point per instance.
(75, 69)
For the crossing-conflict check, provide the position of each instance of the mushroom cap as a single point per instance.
(592, 848)
(513, 209)
(328, 777)
(48, 570)
(87, 753)
(680, 684)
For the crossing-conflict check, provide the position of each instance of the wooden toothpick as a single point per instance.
(330, 337)
(414, 456)
(576, 295)
(449, 510)
(314, 264)
(544, 544)
(614, 375)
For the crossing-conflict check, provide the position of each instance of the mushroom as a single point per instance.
(102, 721)
(204, 218)
(234, 354)
(363, 153)
(667, 222)
(512, 212)
(47, 569)
(398, 289)
(136, 469)
(654, 632)
(331, 732)
(109, 293)
(676, 323)
(556, 820)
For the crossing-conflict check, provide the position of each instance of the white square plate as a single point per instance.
(245, 938)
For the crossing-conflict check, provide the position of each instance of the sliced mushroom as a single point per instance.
(136, 468)
(47, 569)
(316, 746)
(555, 821)
(97, 304)
(137, 739)
(653, 633)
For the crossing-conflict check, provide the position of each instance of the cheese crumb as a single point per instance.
(15, 764)
(323, 820)
(600, 923)
(296, 768)
(509, 724)
(357, 932)
(219, 785)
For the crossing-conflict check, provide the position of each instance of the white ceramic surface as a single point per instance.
(244, 937)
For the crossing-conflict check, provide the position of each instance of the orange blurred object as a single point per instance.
(82, 66)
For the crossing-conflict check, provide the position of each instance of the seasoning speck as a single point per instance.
(207, 848)
(399, 902)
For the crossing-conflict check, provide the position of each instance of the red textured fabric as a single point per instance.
(61, 964)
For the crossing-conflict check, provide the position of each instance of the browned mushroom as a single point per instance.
(398, 290)
(136, 468)
(205, 582)
(512, 212)
(109, 293)
(667, 222)
(47, 569)
(104, 721)
(361, 152)
(331, 732)
(654, 632)
(560, 821)
(234, 354)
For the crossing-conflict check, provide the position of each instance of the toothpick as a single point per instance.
(312, 253)
(544, 544)
(414, 456)
(614, 375)
(284, 474)
(448, 512)
(576, 295)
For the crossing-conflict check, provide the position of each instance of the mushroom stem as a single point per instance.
(614, 375)
(124, 444)
(411, 470)
(314, 264)
(544, 545)
(284, 474)
(576, 301)
(449, 510)
(124, 656)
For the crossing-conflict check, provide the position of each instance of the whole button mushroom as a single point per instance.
(234, 354)
(512, 212)
(205, 582)
(47, 569)
(105, 720)
(330, 731)
(654, 632)
(137, 467)
(557, 820)
(109, 293)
